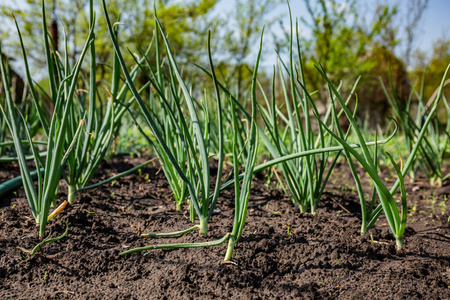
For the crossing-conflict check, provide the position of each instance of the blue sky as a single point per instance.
(435, 24)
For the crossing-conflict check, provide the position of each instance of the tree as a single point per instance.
(400, 33)
(341, 36)
(433, 68)
(185, 22)
(355, 38)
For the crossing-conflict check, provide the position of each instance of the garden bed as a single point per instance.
(282, 253)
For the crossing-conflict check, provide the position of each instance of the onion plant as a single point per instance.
(65, 145)
(396, 218)
(242, 192)
(278, 157)
(101, 124)
(89, 150)
(306, 176)
(435, 142)
(164, 104)
(197, 174)
(439, 141)
(41, 198)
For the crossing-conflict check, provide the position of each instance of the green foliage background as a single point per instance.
(349, 38)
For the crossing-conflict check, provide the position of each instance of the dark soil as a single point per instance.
(282, 254)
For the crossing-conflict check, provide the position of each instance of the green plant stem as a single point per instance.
(399, 243)
(5, 159)
(169, 234)
(17, 182)
(203, 227)
(71, 194)
(179, 205)
(11, 143)
(230, 248)
(281, 159)
(48, 240)
(115, 177)
(176, 246)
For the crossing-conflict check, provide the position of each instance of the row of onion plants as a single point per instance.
(193, 169)
(432, 149)
(78, 134)
(184, 135)
(396, 217)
